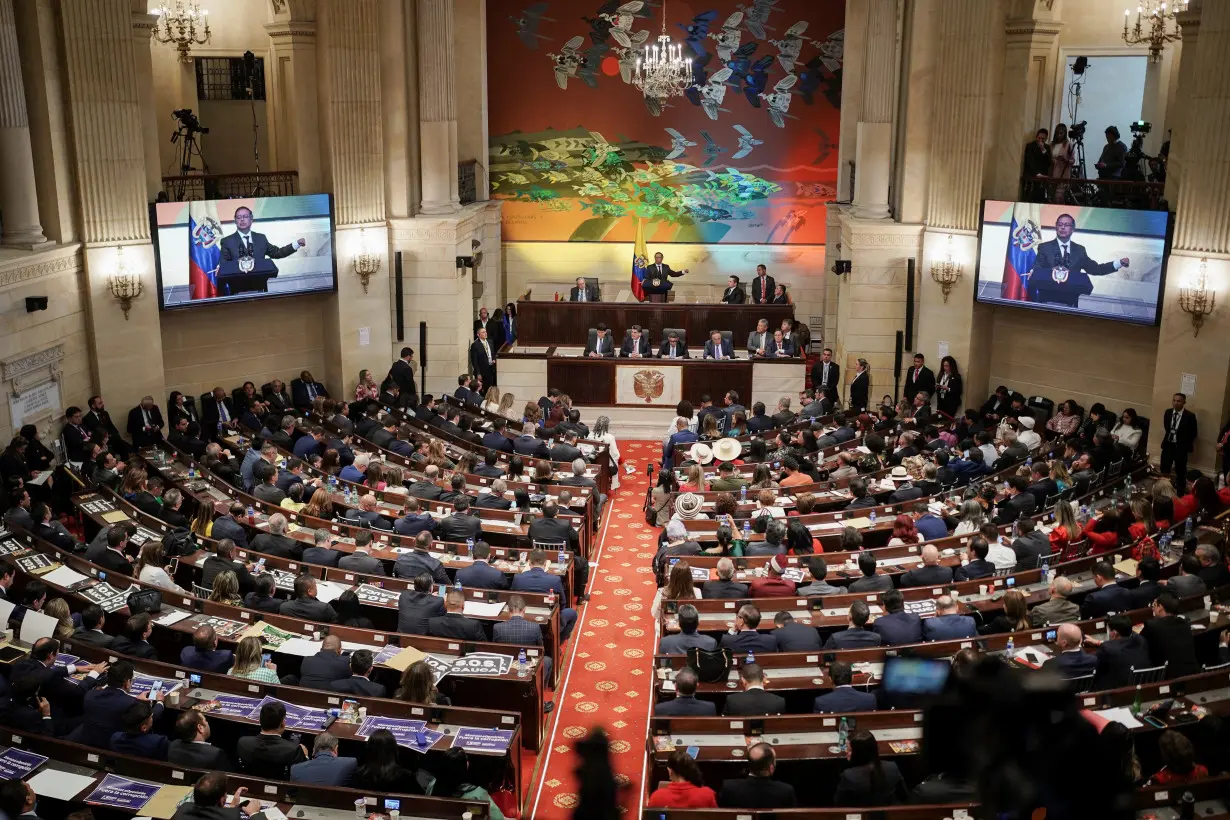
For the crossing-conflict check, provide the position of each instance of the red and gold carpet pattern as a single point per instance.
(609, 667)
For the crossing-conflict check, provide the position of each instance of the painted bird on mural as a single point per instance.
(567, 61)
(790, 45)
(621, 22)
(746, 142)
(697, 30)
(712, 149)
(756, 16)
(729, 36)
(832, 49)
(710, 95)
(779, 100)
(679, 144)
(527, 24)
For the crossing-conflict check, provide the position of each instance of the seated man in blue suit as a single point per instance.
(329, 665)
(685, 702)
(520, 630)
(105, 708)
(745, 638)
(537, 579)
(480, 574)
(844, 697)
(136, 738)
(204, 653)
(947, 624)
(1072, 661)
(1118, 656)
(1108, 597)
(682, 435)
(495, 438)
(717, 347)
(325, 768)
(857, 634)
(678, 643)
(792, 636)
(414, 521)
(897, 626)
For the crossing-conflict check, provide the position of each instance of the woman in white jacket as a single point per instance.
(150, 568)
(602, 432)
(1127, 431)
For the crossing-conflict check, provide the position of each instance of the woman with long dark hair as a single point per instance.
(380, 770)
(948, 387)
(453, 780)
(510, 323)
(686, 789)
(868, 781)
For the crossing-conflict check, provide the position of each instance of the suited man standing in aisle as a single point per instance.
(860, 386)
(402, 374)
(762, 286)
(919, 379)
(482, 358)
(1178, 440)
(582, 292)
(826, 375)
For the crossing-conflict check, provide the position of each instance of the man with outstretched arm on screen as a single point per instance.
(246, 254)
(1062, 268)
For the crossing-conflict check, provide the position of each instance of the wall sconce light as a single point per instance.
(124, 284)
(1197, 299)
(472, 261)
(946, 273)
(366, 264)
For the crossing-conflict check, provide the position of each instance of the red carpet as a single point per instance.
(607, 677)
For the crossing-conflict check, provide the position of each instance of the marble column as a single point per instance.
(1031, 60)
(18, 193)
(295, 116)
(873, 155)
(1189, 24)
(1201, 239)
(104, 109)
(142, 29)
(395, 103)
(437, 108)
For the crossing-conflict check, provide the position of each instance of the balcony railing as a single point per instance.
(226, 186)
(467, 181)
(1107, 193)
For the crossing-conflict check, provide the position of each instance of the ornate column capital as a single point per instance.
(291, 32)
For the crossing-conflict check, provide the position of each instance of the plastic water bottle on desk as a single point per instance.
(251, 515)
(751, 656)
(1010, 648)
(1187, 528)
(562, 558)
(470, 544)
(457, 585)
(1046, 569)
(843, 736)
(747, 532)
(522, 665)
(743, 493)
(550, 598)
(871, 516)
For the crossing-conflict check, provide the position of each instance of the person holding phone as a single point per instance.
(268, 754)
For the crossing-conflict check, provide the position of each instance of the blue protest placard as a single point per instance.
(490, 741)
(123, 793)
(16, 764)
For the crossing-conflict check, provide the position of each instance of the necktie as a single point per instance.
(222, 414)
(1063, 257)
(582, 291)
(672, 351)
(311, 390)
(1174, 426)
(824, 376)
(145, 413)
(487, 351)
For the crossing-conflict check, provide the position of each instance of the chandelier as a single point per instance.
(178, 27)
(1152, 26)
(661, 70)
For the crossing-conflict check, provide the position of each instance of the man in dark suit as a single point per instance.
(191, 746)
(414, 521)
(38, 675)
(135, 738)
(305, 605)
(537, 579)
(186, 439)
(1108, 597)
(1178, 439)
(763, 286)
(947, 623)
(551, 529)
(931, 573)
(718, 347)
(115, 560)
(682, 435)
(1071, 661)
(1118, 656)
(733, 295)
(678, 643)
(860, 386)
(979, 566)
(93, 618)
(482, 359)
(134, 640)
(657, 281)
(480, 574)
(753, 700)
(1041, 486)
(145, 423)
(104, 707)
(758, 422)
(247, 252)
(1149, 571)
(276, 542)
(402, 374)
(322, 670)
(528, 444)
(1062, 268)
(1169, 636)
(359, 682)
(461, 525)
(1018, 504)
(565, 449)
(826, 375)
(268, 754)
(745, 638)
(325, 768)
(209, 801)
(361, 560)
(636, 344)
(897, 626)
(369, 516)
(918, 378)
(724, 586)
(792, 636)
(844, 697)
(601, 345)
(98, 422)
(496, 440)
(856, 634)
(582, 292)
(685, 703)
(75, 435)
(204, 654)
(416, 607)
(453, 623)
(673, 347)
(218, 413)
(225, 561)
(496, 497)
(758, 790)
(871, 580)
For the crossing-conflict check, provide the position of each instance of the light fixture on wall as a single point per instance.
(366, 264)
(661, 71)
(946, 273)
(473, 260)
(178, 27)
(1152, 27)
(124, 285)
(1197, 299)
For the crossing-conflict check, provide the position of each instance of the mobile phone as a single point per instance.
(1011, 582)
(693, 752)
(174, 565)
(392, 805)
(1154, 722)
(329, 721)
(102, 576)
(156, 688)
(194, 680)
(265, 657)
(261, 562)
(1051, 635)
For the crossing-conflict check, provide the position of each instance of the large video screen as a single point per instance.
(1102, 262)
(229, 250)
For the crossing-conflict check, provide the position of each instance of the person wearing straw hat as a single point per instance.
(727, 449)
(689, 507)
(701, 453)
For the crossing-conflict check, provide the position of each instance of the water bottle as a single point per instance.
(562, 558)
(1029, 461)
(251, 515)
(743, 493)
(550, 598)
(1009, 649)
(333, 483)
(457, 586)
(1084, 512)
(1136, 701)
(470, 544)
(872, 517)
(1128, 485)
(747, 531)
(522, 670)
(751, 656)
(843, 736)
(1046, 568)
(1187, 528)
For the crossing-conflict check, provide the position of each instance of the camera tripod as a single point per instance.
(189, 147)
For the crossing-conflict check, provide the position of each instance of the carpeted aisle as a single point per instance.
(607, 682)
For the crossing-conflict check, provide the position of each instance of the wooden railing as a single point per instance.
(1108, 193)
(226, 186)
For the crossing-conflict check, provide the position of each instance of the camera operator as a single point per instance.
(1035, 163)
(1114, 155)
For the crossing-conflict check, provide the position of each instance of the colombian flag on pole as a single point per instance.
(204, 249)
(1023, 242)
(640, 260)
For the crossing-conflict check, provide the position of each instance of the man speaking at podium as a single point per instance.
(246, 255)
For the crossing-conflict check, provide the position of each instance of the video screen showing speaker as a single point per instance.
(230, 250)
(1103, 262)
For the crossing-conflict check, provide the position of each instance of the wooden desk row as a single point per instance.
(545, 323)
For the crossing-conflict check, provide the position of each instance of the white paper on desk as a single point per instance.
(173, 617)
(862, 448)
(36, 625)
(59, 785)
(328, 591)
(299, 646)
(64, 577)
(1120, 714)
(6, 611)
(481, 609)
(351, 646)
(274, 813)
(40, 479)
